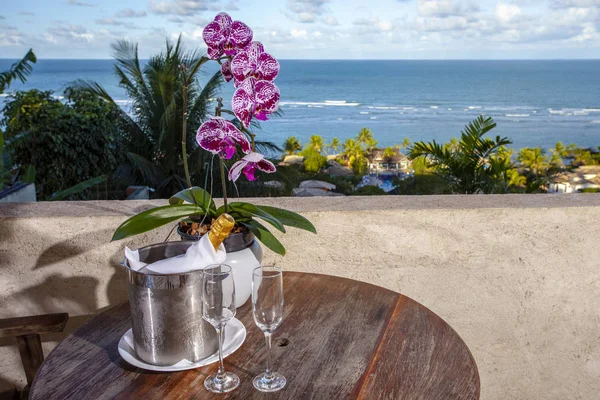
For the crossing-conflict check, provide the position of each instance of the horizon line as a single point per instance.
(354, 59)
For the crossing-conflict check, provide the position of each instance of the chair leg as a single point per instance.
(32, 356)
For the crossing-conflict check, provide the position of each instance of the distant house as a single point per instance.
(378, 163)
(315, 188)
(585, 177)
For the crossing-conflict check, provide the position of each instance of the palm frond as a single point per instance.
(19, 70)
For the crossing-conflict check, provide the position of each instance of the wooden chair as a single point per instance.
(27, 331)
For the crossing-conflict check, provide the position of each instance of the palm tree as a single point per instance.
(19, 70)
(292, 145)
(534, 159)
(334, 145)
(557, 154)
(155, 122)
(388, 155)
(365, 138)
(473, 166)
(316, 143)
(405, 144)
(355, 155)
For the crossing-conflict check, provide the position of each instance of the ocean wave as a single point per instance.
(386, 108)
(333, 103)
(563, 111)
(434, 107)
(475, 107)
(517, 115)
(573, 111)
(595, 121)
(364, 113)
(373, 118)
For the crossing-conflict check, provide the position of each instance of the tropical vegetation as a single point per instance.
(474, 165)
(18, 71)
(65, 143)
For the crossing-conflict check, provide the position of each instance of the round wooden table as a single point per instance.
(340, 339)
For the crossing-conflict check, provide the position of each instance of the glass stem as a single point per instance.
(268, 340)
(221, 372)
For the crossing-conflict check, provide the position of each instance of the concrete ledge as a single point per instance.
(309, 204)
(516, 275)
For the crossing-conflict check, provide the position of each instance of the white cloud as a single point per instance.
(79, 3)
(183, 7)
(130, 13)
(507, 12)
(298, 33)
(444, 8)
(307, 11)
(331, 20)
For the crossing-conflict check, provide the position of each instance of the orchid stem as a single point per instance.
(221, 164)
(184, 77)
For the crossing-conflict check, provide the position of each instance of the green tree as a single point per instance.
(366, 139)
(355, 156)
(534, 159)
(582, 157)
(369, 191)
(291, 145)
(334, 145)
(316, 143)
(314, 161)
(19, 70)
(388, 154)
(67, 143)
(405, 144)
(468, 168)
(155, 125)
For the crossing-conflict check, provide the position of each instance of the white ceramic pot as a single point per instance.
(244, 253)
(243, 263)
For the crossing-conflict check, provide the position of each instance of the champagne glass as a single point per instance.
(267, 308)
(218, 308)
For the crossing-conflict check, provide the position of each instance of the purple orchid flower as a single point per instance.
(253, 61)
(255, 98)
(249, 164)
(224, 36)
(226, 71)
(220, 136)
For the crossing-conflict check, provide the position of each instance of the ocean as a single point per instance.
(535, 103)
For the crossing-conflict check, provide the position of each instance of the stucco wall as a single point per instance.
(518, 277)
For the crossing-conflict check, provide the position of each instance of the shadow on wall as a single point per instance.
(77, 293)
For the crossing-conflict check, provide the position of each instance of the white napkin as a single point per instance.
(200, 255)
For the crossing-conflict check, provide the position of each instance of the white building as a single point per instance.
(586, 177)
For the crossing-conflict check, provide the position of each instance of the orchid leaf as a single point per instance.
(195, 195)
(289, 218)
(153, 218)
(257, 212)
(265, 237)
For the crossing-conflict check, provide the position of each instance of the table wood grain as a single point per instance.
(340, 339)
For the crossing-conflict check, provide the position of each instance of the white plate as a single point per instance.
(235, 334)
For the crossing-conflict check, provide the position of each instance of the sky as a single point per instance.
(312, 29)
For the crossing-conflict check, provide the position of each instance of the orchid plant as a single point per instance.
(252, 71)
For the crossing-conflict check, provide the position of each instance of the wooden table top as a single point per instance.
(345, 340)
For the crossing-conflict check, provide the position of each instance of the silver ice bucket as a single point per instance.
(166, 311)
